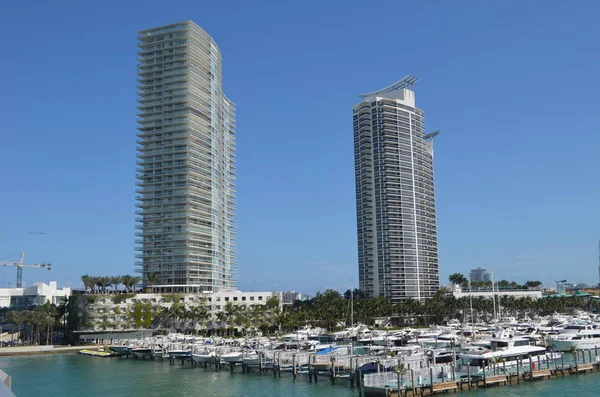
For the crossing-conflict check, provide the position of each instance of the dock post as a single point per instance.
(562, 364)
(231, 367)
(484, 382)
(430, 380)
(332, 368)
(412, 379)
(590, 355)
(539, 362)
(468, 376)
(294, 365)
(519, 363)
(530, 368)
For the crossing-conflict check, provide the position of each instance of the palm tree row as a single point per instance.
(197, 318)
(36, 325)
(460, 279)
(331, 310)
(100, 285)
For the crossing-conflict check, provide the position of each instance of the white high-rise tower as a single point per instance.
(186, 158)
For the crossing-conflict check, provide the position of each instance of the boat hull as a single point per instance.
(237, 358)
(182, 354)
(563, 345)
(120, 349)
(203, 358)
(142, 353)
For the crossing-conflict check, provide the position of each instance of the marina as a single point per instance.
(408, 361)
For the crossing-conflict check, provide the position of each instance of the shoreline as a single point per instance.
(34, 350)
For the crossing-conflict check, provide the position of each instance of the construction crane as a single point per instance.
(20, 265)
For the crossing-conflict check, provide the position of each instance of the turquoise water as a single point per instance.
(74, 375)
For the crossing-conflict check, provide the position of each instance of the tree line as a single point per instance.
(460, 279)
(101, 285)
(331, 310)
(37, 325)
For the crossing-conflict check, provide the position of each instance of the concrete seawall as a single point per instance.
(49, 349)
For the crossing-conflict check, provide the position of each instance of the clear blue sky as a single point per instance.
(512, 85)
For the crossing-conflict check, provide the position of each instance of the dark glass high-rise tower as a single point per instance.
(395, 196)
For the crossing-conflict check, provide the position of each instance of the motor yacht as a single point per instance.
(575, 336)
(508, 349)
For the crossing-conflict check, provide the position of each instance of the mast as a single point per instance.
(471, 304)
(494, 296)
(351, 308)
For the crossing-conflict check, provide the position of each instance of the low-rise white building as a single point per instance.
(36, 295)
(458, 292)
(123, 312)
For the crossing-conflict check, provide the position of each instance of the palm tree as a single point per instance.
(457, 279)
(221, 318)
(152, 279)
(87, 282)
(574, 350)
(102, 283)
(115, 281)
(134, 282)
(126, 281)
(63, 311)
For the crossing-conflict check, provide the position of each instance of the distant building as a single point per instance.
(561, 287)
(480, 275)
(290, 296)
(458, 292)
(36, 295)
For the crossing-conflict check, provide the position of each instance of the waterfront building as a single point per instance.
(459, 292)
(186, 159)
(480, 275)
(126, 312)
(395, 199)
(36, 295)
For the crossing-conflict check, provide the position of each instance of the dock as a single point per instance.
(408, 376)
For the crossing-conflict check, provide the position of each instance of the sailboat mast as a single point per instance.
(471, 304)
(352, 308)
(494, 297)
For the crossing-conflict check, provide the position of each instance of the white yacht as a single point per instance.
(580, 336)
(508, 349)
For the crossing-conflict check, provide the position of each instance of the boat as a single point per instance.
(232, 357)
(575, 336)
(253, 358)
(120, 349)
(508, 349)
(142, 352)
(95, 353)
(180, 354)
(204, 357)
